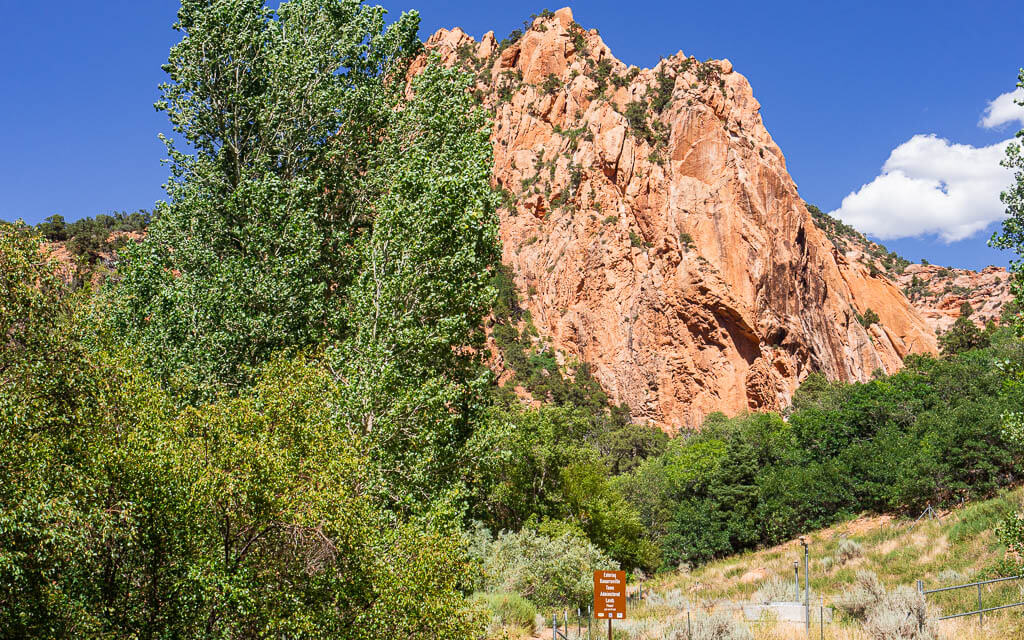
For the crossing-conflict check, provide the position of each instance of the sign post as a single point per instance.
(610, 596)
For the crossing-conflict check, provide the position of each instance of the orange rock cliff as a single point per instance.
(654, 231)
(655, 234)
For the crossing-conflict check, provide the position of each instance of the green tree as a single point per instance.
(53, 229)
(964, 335)
(45, 427)
(255, 249)
(250, 517)
(328, 203)
(1011, 236)
(410, 364)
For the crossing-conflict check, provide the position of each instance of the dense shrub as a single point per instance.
(897, 615)
(551, 572)
(507, 610)
(776, 590)
(848, 550)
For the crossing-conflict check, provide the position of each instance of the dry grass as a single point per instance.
(939, 552)
(953, 550)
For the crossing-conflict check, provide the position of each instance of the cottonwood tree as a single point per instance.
(321, 200)
(252, 252)
(1011, 236)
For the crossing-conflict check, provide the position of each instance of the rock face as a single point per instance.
(77, 269)
(655, 233)
(938, 293)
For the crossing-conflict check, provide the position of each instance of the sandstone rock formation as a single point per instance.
(938, 293)
(655, 233)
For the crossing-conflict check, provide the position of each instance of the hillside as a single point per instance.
(936, 292)
(651, 224)
(956, 547)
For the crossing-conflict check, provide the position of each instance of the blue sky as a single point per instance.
(842, 85)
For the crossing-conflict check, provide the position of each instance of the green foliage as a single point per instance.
(636, 118)
(636, 240)
(931, 433)
(254, 250)
(556, 464)
(124, 515)
(662, 91)
(868, 318)
(249, 513)
(841, 234)
(88, 238)
(916, 289)
(1011, 236)
(410, 360)
(321, 209)
(181, 472)
(508, 610)
(510, 40)
(964, 335)
(579, 43)
(1011, 535)
(551, 572)
(686, 241)
(551, 84)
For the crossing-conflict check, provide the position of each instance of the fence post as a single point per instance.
(981, 616)
(796, 578)
(920, 590)
(821, 617)
(554, 626)
(689, 629)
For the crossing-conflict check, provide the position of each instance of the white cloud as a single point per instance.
(1004, 109)
(931, 186)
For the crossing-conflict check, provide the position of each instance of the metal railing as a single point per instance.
(980, 611)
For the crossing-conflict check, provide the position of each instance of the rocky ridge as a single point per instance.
(654, 232)
(936, 292)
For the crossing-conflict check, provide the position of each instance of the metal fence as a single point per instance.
(584, 620)
(562, 632)
(981, 610)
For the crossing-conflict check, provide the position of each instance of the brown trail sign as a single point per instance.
(610, 594)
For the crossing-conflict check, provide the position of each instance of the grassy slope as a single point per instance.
(960, 547)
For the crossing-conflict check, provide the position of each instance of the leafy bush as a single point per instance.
(550, 572)
(869, 318)
(1011, 534)
(757, 480)
(964, 335)
(865, 594)
(718, 626)
(776, 590)
(715, 626)
(849, 550)
(551, 84)
(900, 615)
(897, 615)
(686, 241)
(507, 610)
